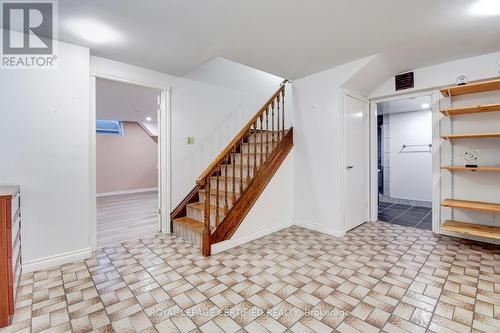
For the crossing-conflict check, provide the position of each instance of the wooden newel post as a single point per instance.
(205, 241)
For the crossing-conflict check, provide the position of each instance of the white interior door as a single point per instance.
(356, 147)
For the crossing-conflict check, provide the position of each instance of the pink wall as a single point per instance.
(127, 162)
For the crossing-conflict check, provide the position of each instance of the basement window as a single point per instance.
(109, 127)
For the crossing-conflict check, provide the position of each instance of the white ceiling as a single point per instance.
(288, 38)
(404, 105)
(126, 102)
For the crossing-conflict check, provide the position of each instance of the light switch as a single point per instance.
(190, 140)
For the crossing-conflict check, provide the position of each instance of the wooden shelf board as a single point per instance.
(471, 136)
(472, 229)
(480, 168)
(471, 88)
(471, 109)
(471, 205)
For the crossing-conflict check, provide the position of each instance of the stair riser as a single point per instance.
(236, 171)
(187, 234)
(258, 148)
(258, 138)
(198, 214)
(213, 200)
(213, 184)
(238, 159)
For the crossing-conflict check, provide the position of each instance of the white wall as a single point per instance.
(318, 138)
(126, 162)
(273, 210)
(44, 140)
(410, 173)
(229, 74)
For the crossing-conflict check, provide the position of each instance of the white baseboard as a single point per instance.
(57, 260)
(230, 243)
(140, 190)
(318, 227)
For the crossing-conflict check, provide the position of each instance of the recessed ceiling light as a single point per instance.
(93, 31)
(485, 8)
(148, 118)
(426, 106)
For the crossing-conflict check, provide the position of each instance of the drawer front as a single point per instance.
(15, 204)
(11, 300)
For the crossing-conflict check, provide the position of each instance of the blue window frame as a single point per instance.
(111, 127)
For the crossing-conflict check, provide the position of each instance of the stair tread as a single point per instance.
(230, 178)
(251, 154)
(236, 166)
(201, 206)
(264, 143)
(190, 223)
(221, 191)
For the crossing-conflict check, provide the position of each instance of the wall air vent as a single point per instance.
(405, 81)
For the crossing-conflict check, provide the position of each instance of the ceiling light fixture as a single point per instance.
(426, 106)
(148, 118)
(485, 8)
(93, 31)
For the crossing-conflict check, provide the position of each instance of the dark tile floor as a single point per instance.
(406, 215)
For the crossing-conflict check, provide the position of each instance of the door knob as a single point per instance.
(349, 167)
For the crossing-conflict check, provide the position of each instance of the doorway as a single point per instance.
(127, 161)
(404, 161)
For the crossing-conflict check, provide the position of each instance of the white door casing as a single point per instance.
(356, 150)
(164, 188)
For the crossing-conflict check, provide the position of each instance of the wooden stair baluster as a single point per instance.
(267, 133)
(205, 242)
(217, 196)
(272, 120)
(255, 149)
(278, 113)
(234, 178)
(283, 112)
(225, 186)
(241, 167)
(248, 157)
(261, 140)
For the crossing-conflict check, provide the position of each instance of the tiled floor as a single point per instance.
(379, 277)
(405, 215)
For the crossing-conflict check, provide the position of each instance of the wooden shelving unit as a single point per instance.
(471, 88)
(472, 229)
(471, 110)
(472, 205)
(467, 228)
(471, 136)
(478, 169)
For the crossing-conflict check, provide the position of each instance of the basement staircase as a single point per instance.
(226, 191)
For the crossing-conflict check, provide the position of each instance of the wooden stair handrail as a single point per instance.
(217, 161)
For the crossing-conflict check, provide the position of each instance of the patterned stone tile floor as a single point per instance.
(379, 277)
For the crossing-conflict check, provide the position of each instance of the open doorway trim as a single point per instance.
(164, 153)
(436, 154)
